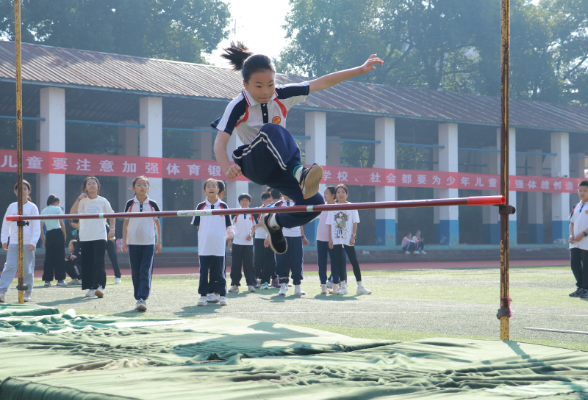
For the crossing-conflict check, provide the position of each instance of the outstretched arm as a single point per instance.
(220, 151)
(325, 82)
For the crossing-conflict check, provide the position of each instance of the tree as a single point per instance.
(169, 29)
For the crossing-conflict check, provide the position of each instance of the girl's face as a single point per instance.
(409, 236)
(25, 193)
(329, 197)
(211, 189)
(341, 194)
(71, 248)
(92, 186)
(141, 187)
(261, 85)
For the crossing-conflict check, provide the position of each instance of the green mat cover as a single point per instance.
(50, 356)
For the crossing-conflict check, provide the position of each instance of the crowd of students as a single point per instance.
(244, 235)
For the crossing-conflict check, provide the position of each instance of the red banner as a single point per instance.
(173, 168)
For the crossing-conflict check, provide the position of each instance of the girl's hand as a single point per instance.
(233, 172)
(230, 245)
(158, 248)
(125, 247)
(43, 244)
(370, 64)
(4, 246)
(571, 239)
(352, 242)
(305, 241)
(32, 247)
(265, 243)
(82, 196)
(111, 235)
(248, 238)
(330, 244)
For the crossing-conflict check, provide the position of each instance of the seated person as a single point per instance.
(420, 243)
(408, 244)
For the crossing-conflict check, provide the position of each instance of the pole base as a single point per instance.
(22, 288)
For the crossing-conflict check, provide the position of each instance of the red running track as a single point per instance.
(369, 266)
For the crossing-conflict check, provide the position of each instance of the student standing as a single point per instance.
(72, 263)
(270, 155)
(93, 236)
(212, 236)
(111, 251)
(343, 234)
(265, 263)
(31, 233)
(293, 259)
(323, 237)
(579, 242)
(242, 250)
(54, 243)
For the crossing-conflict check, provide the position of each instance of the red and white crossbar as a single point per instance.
(461, 201)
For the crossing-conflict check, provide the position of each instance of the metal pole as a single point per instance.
(504, 171)
(21, 287)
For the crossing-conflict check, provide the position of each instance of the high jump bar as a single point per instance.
(460, 201)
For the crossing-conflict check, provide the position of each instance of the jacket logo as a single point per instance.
(276, 120)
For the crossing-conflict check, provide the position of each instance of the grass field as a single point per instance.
(404, 305)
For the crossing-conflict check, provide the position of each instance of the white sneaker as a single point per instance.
(202, 301)
(99, 292)
(117, 281)
(343, 289)
(74, 282)
(61, 283)
(298, 290)
(361, 290)
(335, 289)
(2, 297)
(324, 289)
(27, 297)
(251, 288)
(47, 284)
(141, 306)
(222, 301)
(407, 252)
(423, 252)
(283, 289)
(329, 284)
(90, 293)
(212, 298)
(234, 289)
(417, 252)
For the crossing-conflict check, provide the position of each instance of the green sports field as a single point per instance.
(405, 305)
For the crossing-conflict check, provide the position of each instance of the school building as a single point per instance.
(117, 117)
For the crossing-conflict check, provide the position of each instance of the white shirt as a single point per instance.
(212, 231)
(31, 232)
(141, 231)
(93, 229)
(288, 232)
(341, 223)
(579, 217)
(245, 116)
(323, 232)
(243, 225)
(260, 232)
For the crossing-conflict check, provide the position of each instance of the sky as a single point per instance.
(258, 24)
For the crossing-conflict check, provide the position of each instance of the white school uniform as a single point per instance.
(341, 224)
(245, 116)
(212, 233)
(579, 217)
(141, 231)
(243, 225)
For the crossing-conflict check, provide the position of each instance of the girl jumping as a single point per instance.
(270, 155)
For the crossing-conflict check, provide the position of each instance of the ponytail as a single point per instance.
(245, 61)
(52, 199)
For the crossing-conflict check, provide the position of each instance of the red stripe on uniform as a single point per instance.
(282, 107)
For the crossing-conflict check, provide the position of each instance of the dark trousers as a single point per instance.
(420, 245)
(323, 251)
(111, 250)
(93, 271)
(291, 261)
(579, 262)
(265, 258)
(242, 257)
(72, 269)
(54, 255)
(270, 160)
(338, 260)
(410, 246)
(215, 265)
(141, 258)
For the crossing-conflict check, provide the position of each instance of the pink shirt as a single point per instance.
(324, 231)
